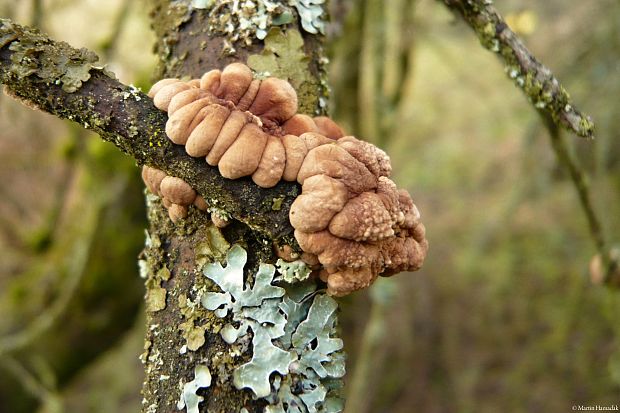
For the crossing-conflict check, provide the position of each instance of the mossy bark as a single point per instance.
(186, 49)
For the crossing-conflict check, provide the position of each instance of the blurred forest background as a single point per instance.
(503, 316)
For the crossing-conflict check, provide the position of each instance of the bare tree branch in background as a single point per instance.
(548, 97)
(535, 80)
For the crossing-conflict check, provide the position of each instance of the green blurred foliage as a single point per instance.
(503, 316)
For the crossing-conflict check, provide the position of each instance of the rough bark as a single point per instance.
(187, 49)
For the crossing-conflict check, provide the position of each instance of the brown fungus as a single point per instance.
(275, 100)
(202, 138)
(328, 127)
(299, 124)
(235, 80)
(177, 191)
(152, 177)
(177, 212)
(244, 155)
(351, 221)
(271, 165)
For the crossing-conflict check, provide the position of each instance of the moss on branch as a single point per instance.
(59, 79)
(537, 81)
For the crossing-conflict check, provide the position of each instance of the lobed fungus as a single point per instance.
(350, 217)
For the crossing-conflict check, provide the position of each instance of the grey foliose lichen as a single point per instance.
(311, 14)
(292, 272)
(189, 399)
(293, 330)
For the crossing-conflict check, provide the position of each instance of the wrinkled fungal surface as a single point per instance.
(297, 360)
(350, 217)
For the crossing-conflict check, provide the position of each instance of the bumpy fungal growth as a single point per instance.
(177, 195)
(350, 218)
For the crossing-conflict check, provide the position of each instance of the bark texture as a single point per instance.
(187, 48)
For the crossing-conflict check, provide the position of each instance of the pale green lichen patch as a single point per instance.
(284, 57)
(297, 361)
(293, 271)
(153, 272)
(193, 334)
(276, 203)
(34, 54)
(189, 399)
(213, 247)
(267, 358)
(155, 299)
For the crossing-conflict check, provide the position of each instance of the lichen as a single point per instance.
(297, 362)
(293, 271)
(311, 13)
(189, 399)
(284, 57)
(34, 54)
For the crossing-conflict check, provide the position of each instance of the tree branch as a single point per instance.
(537, 81)
(64, 81)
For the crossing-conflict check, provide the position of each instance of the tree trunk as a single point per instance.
(182, 335)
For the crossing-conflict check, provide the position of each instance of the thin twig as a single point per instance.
(108, 47)
(567, 159)
(37, 14)
(537, 81)
(47, 319)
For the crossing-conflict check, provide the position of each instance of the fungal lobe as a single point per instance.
(351, 221)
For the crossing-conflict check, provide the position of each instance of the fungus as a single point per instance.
(275, 101)
(295, 151)
(228, 134)
(244, 155)
(336, 162)
(234, 82)
(162, 96)
(152, 177)
(210, 81)
(351, 221)
(184, 98)
(200, 203)
(183, 121)
(299, 124)
(202, 138)
(321, 198)
(271, 165)
(249, 96)
(328, 127)
(177, 191)
(176, 212)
